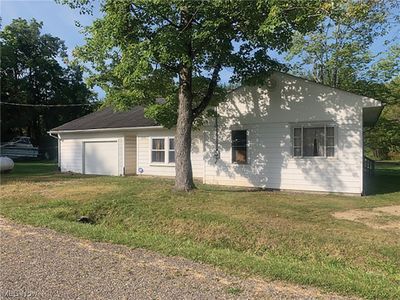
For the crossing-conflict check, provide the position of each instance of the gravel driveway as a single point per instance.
(38, 263)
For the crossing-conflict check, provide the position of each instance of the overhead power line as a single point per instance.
(47, 105)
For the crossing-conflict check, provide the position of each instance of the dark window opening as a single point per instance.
(239, 146)
(314, 141)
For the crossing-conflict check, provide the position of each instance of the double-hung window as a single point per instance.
(313, 140)
(158, 150)
(163, 150)
(239, 146)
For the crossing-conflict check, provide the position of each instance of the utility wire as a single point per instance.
(47, 105)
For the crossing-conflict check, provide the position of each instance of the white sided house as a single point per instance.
(291, 134)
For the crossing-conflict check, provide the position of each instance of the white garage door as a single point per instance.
(101, 158)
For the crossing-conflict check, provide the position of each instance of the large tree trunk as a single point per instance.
(183, 134)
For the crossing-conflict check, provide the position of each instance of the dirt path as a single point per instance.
(38, 263)
(384, 217)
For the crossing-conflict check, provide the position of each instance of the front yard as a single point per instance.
(275, 235)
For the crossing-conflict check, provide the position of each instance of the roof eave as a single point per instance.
(375, 113)
(103, 129)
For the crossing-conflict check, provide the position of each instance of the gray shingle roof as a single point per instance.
(108, 118)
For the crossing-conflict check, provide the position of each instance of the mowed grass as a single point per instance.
(274, 235)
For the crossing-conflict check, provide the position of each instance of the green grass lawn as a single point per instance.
(274, 235)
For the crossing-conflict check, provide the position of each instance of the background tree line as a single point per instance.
(334, 49)
(338, 53)
(35, 71)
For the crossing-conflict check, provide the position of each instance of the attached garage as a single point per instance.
(94, 154)
(101, 143)
(294, 135)
(100, 158)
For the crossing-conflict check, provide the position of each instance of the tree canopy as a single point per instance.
(34, 71)
(337, 53)
(140, 51)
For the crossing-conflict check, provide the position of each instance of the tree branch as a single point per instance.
(163, 17)
(171, 68)
(189, 22)
(210, 92)
(168, 20)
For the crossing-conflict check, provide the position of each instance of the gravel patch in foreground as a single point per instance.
(38, 263)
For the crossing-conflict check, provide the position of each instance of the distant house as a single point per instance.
(291, 134)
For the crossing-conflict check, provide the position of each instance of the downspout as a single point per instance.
(58, 149)
(217, 153)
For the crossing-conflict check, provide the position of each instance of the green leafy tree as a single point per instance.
(337, 52)
(32, 73)
(387, 69)
(383, 140)
(143, 50)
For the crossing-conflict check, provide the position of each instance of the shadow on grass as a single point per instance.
(224, 189)
(43, 171)
(386, 179)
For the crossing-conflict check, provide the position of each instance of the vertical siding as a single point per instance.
(143, 154)
(130, 154)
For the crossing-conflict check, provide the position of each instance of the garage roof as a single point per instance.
(107, 118)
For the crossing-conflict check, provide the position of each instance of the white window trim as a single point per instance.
(169, 150)
(313, 125)
(166, 162)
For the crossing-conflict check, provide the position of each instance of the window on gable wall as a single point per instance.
(239, 146)
(313, 141)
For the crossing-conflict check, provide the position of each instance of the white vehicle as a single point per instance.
(19, 147)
